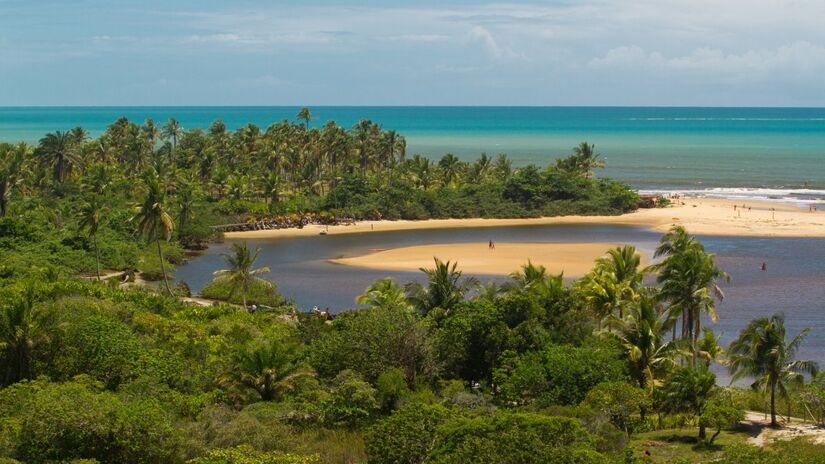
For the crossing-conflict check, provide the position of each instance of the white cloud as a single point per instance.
(482, 35)
(798, 56)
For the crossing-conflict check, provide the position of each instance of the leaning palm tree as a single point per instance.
(761, 352)
(90, 218)
(24, 328)
(384, 294)
(240, 274)
(444, 291)
(154, 221)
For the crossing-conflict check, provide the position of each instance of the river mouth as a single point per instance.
(793, 282)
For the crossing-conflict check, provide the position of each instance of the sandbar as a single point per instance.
(574, 259)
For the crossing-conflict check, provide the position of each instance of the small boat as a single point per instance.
(323, 232)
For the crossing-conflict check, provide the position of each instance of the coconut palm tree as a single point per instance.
(614, 283)
(535, 280)
(153, 218)
(172, 131)
(444, 291)
(90, 218)
(240, 274)
(59, 149)
(12, 172)
(269, 367)
(451, 169)
(761, 352)
(641, 334)
(503, 167)
(304, 115)
(687, 390)
(271, 186)
(24, 328)
(689, 279)
(383, 294)
(587, 159)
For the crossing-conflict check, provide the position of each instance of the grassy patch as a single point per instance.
(681, 445)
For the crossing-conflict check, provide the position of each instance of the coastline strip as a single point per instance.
(702, 216)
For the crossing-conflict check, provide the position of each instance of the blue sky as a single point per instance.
(449, 52)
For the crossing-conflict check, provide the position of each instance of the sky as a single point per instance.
(392, 52)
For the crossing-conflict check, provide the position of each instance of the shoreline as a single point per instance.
(700, 216)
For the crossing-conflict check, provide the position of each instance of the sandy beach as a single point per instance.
(698, 215)
(704, 216)
(575, 260)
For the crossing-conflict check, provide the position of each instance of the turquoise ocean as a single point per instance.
(749, 153)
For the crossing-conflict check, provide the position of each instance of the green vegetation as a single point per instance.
(532, 371)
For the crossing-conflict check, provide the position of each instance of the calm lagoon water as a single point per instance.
(793, 283)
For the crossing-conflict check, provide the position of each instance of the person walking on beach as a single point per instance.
(492, 245)
(764, 266)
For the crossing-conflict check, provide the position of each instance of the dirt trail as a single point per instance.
(763, 434)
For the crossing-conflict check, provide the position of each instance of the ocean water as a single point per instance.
(752, 153)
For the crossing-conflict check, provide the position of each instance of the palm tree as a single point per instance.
(269, 367)
(240, 274)
(187, 195)
(587, 159)
(503, 167)
(90, 218)
(24, 327)
(422, 170)
(12, 158)
(535, 280)
(689, 277)
(444, 291)
(641, 334)
(97, 179)
(688, 389)
(451, 169)
(383, 294)
(271, 186)
(306, 116)
(154, 221)
(614, 283)
(59, 149)
(761, 352)
(172, 131)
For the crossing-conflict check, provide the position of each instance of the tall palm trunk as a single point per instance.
(773, 404)
(97, 258)
(163, 270)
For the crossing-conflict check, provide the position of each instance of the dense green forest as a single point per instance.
(71, 194)
(615, 367)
